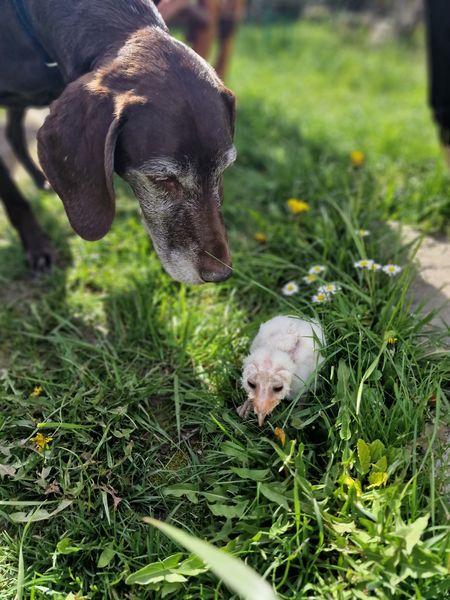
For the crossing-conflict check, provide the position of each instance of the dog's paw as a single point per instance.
(40, 262)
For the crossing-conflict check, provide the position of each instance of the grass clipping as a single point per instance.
(234, 573)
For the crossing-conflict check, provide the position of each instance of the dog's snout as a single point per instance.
(215, 272)
(215, 259)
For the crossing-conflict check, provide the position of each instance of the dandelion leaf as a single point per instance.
(273, 495)
(190, 491)
(64, 546)
(413, 532)
(229, 511)
(40, 514)
(380, 465)
(106, 556)
(363, 456)
(156, 572)
(377, 479)
(377, 450)
(253, 474)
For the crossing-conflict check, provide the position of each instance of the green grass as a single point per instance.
(140, 375)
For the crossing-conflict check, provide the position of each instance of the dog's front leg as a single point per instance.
(38, 249)
(15, 134)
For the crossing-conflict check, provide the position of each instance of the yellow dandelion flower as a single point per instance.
(41, 442)
(37, 391)
(357, 157)
(280, 435)
(297, 206)
(260, 237)
(391, 339)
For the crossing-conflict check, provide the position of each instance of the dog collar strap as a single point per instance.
(23, 15)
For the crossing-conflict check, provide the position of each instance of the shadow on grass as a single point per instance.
(286, 164)
(156, 385)
(279, 164)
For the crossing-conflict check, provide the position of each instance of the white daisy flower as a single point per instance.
(310, 279)
(289, 288)
(328, 288)
(375, 267)
(364, 263)
(363, 232)
(320, 298)
(316, 269)
(391, 269)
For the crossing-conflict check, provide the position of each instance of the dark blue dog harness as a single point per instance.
(24, 17)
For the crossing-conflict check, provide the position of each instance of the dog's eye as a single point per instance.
(168, 184)
(277, 388)
(252, 385)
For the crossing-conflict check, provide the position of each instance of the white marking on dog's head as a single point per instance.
(226, 159)
(180, 266)
(159, 211)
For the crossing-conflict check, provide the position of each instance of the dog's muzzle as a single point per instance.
(212, 270)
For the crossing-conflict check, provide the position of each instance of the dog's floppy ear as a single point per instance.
(76, 150)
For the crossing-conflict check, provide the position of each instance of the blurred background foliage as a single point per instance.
(401, 16)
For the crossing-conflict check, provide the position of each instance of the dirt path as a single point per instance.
(432, 286)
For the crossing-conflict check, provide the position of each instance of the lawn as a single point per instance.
(139, 375)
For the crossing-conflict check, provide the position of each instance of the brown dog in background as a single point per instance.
(206, 21)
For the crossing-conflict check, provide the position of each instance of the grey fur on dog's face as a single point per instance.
(178, 207)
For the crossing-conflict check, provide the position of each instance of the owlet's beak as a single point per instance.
(261, 417)
(263, 407)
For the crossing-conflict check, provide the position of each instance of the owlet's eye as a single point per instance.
(252, 385)
(277, 388)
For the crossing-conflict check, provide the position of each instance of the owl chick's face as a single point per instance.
(267, 379)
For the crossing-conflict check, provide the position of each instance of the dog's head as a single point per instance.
(158, 115)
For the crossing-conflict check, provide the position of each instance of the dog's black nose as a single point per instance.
(214, 264)
(220, 273)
